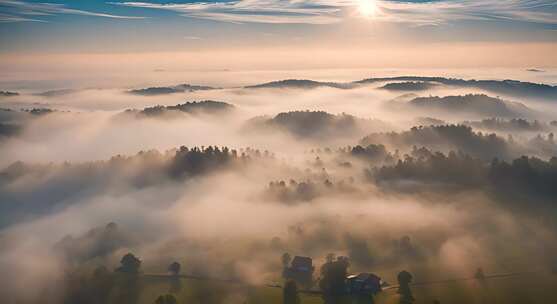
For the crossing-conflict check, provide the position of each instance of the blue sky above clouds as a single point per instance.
(27, 23)
(286, 11)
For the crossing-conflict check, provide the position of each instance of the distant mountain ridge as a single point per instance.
(478, 104)
(191, 107)
(409, 86)
(181, 88)
(401, 83)
(508, 87)
(300, 84)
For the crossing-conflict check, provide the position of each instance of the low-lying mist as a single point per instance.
(225, 181)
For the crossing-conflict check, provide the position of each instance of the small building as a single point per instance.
(300, 270)
(302, 264)
(363, 283)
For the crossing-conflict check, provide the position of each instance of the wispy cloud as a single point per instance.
(19, 10)
(434, 12)
(11, 18)
(442, 12)
(259, 11)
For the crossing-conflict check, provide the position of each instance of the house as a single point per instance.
(300, 270)
(363, 283)
(302, 264)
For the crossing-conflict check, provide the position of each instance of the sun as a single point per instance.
(367, 8)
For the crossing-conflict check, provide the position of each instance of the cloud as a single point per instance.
(263, 11)
(416, 12)
(440, 12)
(19, 9)
(12, 18)
(333, 11)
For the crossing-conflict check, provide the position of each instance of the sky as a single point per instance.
(280, 33)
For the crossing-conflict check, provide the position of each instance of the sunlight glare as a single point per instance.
(367, 8)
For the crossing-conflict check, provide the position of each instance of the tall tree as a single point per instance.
(290, 293)
(333, 279)
(166, 299)
(129, 264)
(404, 279)
(174, 268)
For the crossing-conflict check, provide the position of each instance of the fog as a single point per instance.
(304, 171)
